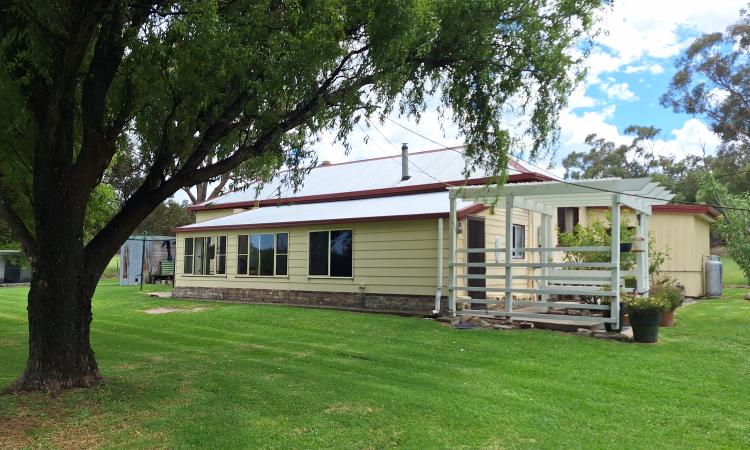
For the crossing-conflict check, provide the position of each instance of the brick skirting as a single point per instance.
(405, 304)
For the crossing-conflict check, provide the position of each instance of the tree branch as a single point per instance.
(220, 187)
(193, 200)
(99, 141)
(16, 225)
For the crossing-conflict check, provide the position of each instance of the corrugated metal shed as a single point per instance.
(402, 206)
(14, 268)
(425, 168)
(158, 248)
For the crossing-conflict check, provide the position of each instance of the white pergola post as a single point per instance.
(452, 227)
(642, 279)
(546, 232)
(441, 241)
(615, 251)
(508, 255)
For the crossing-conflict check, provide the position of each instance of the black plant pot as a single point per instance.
(610, 326)
(645, 325)
(626, 247)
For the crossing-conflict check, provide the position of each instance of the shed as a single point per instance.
(160, 250)
(14, 267)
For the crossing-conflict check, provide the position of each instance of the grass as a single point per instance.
(267, 376)
(732, 273)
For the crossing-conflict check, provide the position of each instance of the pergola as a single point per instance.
(552, 275)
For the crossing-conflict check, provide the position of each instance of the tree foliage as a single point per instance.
(734, 224)
(713, 81)
(203, 87)
(165, 218)
(637, 159)
(180, 92)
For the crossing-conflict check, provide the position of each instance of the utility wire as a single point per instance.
(731, 208)
(412, 163)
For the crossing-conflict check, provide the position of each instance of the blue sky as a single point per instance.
(629, 68)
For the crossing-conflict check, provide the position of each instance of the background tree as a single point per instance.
(713, 82)
(164, 218)
(203, 87)
(734, 224)
(637, 159)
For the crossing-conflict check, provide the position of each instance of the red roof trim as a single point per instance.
(313, 222)
(370, 193)
(462, 213)
(471, 210)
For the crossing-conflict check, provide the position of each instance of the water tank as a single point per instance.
(714, 277)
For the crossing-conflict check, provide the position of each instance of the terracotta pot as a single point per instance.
(667, 319)
(626, 320)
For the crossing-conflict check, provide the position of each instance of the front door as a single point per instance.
(476, 239)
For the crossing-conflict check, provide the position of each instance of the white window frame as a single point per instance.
(329, 230)
(205, 261)
(518, 254)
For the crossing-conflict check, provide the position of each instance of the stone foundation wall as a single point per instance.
(408, 304)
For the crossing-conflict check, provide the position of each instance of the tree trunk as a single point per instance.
(60, 355)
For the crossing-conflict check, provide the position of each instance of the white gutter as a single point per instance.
(439, 293)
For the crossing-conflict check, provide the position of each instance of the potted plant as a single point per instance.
(674, 296)
(645, 315)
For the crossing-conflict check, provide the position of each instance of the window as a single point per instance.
(567, 219)
(519, 241)
(205, 255)
(330, 253)
(262, 254)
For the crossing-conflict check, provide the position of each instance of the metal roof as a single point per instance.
(416, 206)
(639, 194)
(432, 167)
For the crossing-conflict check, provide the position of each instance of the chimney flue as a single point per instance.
(405, 162)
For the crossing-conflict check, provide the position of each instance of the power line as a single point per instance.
(731, 208)
(410, 161)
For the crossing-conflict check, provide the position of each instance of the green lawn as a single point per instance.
(263, 376)
(732, 273)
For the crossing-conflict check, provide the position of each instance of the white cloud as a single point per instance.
(634, 30)
(693, 138)
(654, 69)
(618, 91)
(579, 99)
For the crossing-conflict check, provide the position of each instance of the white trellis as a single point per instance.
(551, 274)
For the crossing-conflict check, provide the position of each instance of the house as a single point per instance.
(14, 267)
(366, 234)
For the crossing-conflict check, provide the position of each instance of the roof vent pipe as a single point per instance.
(405, 162)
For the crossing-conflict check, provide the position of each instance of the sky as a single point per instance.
(628, 69)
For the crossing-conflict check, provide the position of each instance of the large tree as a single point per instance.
(199, 88)
(713, 82)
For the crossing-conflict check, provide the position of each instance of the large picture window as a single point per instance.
(262, 254)
(330, 253)
(205, 255)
